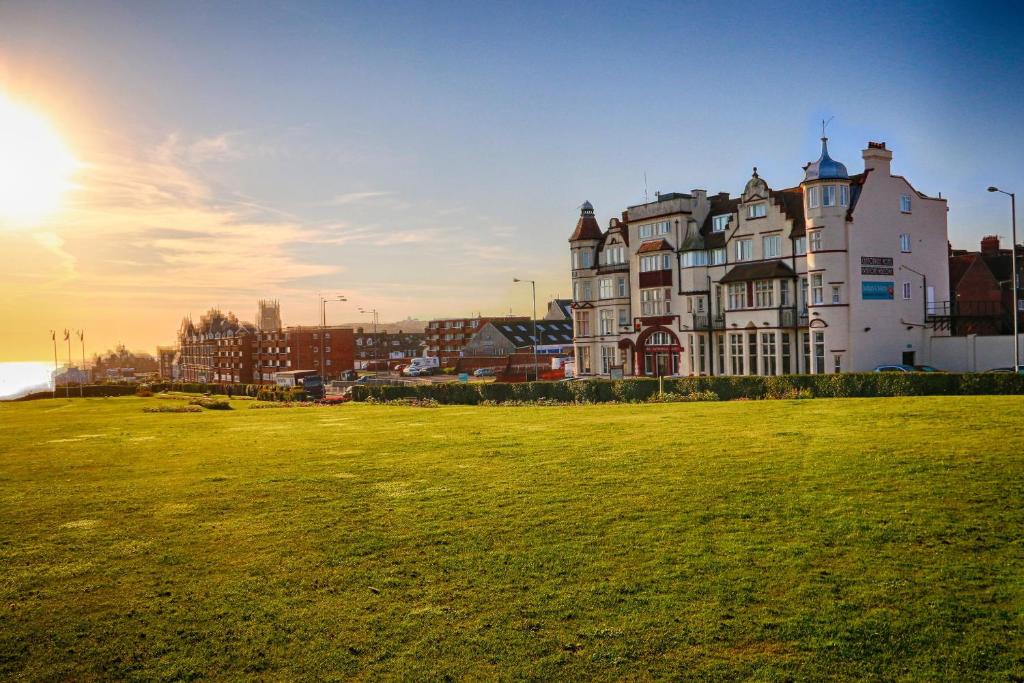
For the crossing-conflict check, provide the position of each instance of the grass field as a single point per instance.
(826, 539)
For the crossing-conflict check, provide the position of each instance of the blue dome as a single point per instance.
(825, 168)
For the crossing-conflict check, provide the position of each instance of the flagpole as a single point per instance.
(67, 381)
(81, 385)
(53, 336)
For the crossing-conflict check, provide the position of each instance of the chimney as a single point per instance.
(877, 157)
(990, 245)
(359, 330)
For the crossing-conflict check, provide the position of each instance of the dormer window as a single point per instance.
(719, 223)
(759, 210)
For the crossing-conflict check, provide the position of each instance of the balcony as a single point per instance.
(704, 321)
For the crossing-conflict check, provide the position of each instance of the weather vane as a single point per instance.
(824, 124)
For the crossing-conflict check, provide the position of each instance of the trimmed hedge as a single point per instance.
(262, 392)
(638, 389)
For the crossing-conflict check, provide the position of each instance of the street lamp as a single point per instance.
(1014, 278)
(323, 329)
(536, 341)
(375, 314)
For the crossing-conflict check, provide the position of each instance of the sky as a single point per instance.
(416, 157)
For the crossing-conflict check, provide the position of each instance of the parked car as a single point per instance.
(926, 368)
(1020, 369)
(413, 371)
(484, 372)
(895, 367)
(349, 376)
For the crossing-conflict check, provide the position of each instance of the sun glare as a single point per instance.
(35, 165)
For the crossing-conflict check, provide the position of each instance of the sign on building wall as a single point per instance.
(876, 265)
(877, 291)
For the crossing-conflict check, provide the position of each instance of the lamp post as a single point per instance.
(81, 384)
(1014, 285)
(53, 337)
(375, 317)
(536, 341)
(323, 329)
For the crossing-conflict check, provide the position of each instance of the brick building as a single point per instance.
(981, 295)
(328, 350)
(447, 337)
(373, 348)
(217, 349)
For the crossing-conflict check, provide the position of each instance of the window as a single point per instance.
(905, 243)
(787, 363)
(819, 353)
(621, 286)
(768, 353)
(699, 304)
(784, 292)
(815, 243)
(653, 302)
(737, 296)
(803, 294)
(759, 210)
(763, 290)
(607, 321)
(744, 250)
(800, 246)
(623, 317)
(837, 363)
(580, 259)
(772, 246)
(614, 255)
(907, 291)
(828, 195)
(605, 288)
(588, 292)
(835, 294)
(905, 203)
(717, 256)
(584, 360)
(752, 345)
(720, 223)
(813, 198)
(806, 350)
(817, 293)
(736, 352)
(655, 262)
(659, 339)
(695, 258)
(701, 353)
(844, 195)
(607, 359)
(721, 353)
(649, 230)
(582, 323)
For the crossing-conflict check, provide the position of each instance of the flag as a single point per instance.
(67, 336)
(53, 335)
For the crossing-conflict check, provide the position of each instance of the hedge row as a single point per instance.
(728, 388)
(263, 392)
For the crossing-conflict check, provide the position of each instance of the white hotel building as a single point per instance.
(837, 274)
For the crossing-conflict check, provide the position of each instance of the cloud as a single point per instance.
(353, 198)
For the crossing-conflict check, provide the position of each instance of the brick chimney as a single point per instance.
(877, 157)
(990, 244)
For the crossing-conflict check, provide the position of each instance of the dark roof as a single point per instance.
(565, 306)
(856, 185)
(762, 270)
(654, 245)
(958, 267)
(791, 201)
(586, 227)
(549, 331)
(720, 204)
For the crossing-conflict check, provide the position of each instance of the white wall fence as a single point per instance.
(972, 353)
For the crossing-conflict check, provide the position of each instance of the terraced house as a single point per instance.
(836, 274)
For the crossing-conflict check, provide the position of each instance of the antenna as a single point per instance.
(645, 187)
(824, 124)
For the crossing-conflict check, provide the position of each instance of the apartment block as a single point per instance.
(838, 273)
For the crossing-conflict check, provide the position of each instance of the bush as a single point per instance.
(210, 403)
(725, 388)
(172, 409)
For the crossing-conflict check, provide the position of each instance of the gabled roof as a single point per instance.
(791, 201)
(720, 204)
(549, 332)
(762, 270)
(654, 245)
(958, 267)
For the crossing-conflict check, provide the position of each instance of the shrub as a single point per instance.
(172, 409)
(211, 403)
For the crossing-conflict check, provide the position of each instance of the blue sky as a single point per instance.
(421, 155)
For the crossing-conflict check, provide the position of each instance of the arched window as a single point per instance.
(659, 339)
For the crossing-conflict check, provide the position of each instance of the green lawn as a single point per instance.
(827, 539)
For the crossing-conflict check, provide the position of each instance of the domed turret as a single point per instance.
(825, 168)
(586, 227)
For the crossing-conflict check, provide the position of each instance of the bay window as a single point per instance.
(763, 291)
(737, 298)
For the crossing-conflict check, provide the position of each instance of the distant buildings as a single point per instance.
(981, 295)
(503, 338)
(839, 273)
(447, 337)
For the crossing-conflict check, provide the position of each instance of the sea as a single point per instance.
(20, 378)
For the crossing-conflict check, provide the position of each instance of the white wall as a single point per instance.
(972, 353)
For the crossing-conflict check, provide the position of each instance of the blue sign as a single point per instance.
(463, 376)
(877, 291)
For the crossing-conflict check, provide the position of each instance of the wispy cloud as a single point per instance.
(353, 198)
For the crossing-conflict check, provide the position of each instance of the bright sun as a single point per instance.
(35, 165)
